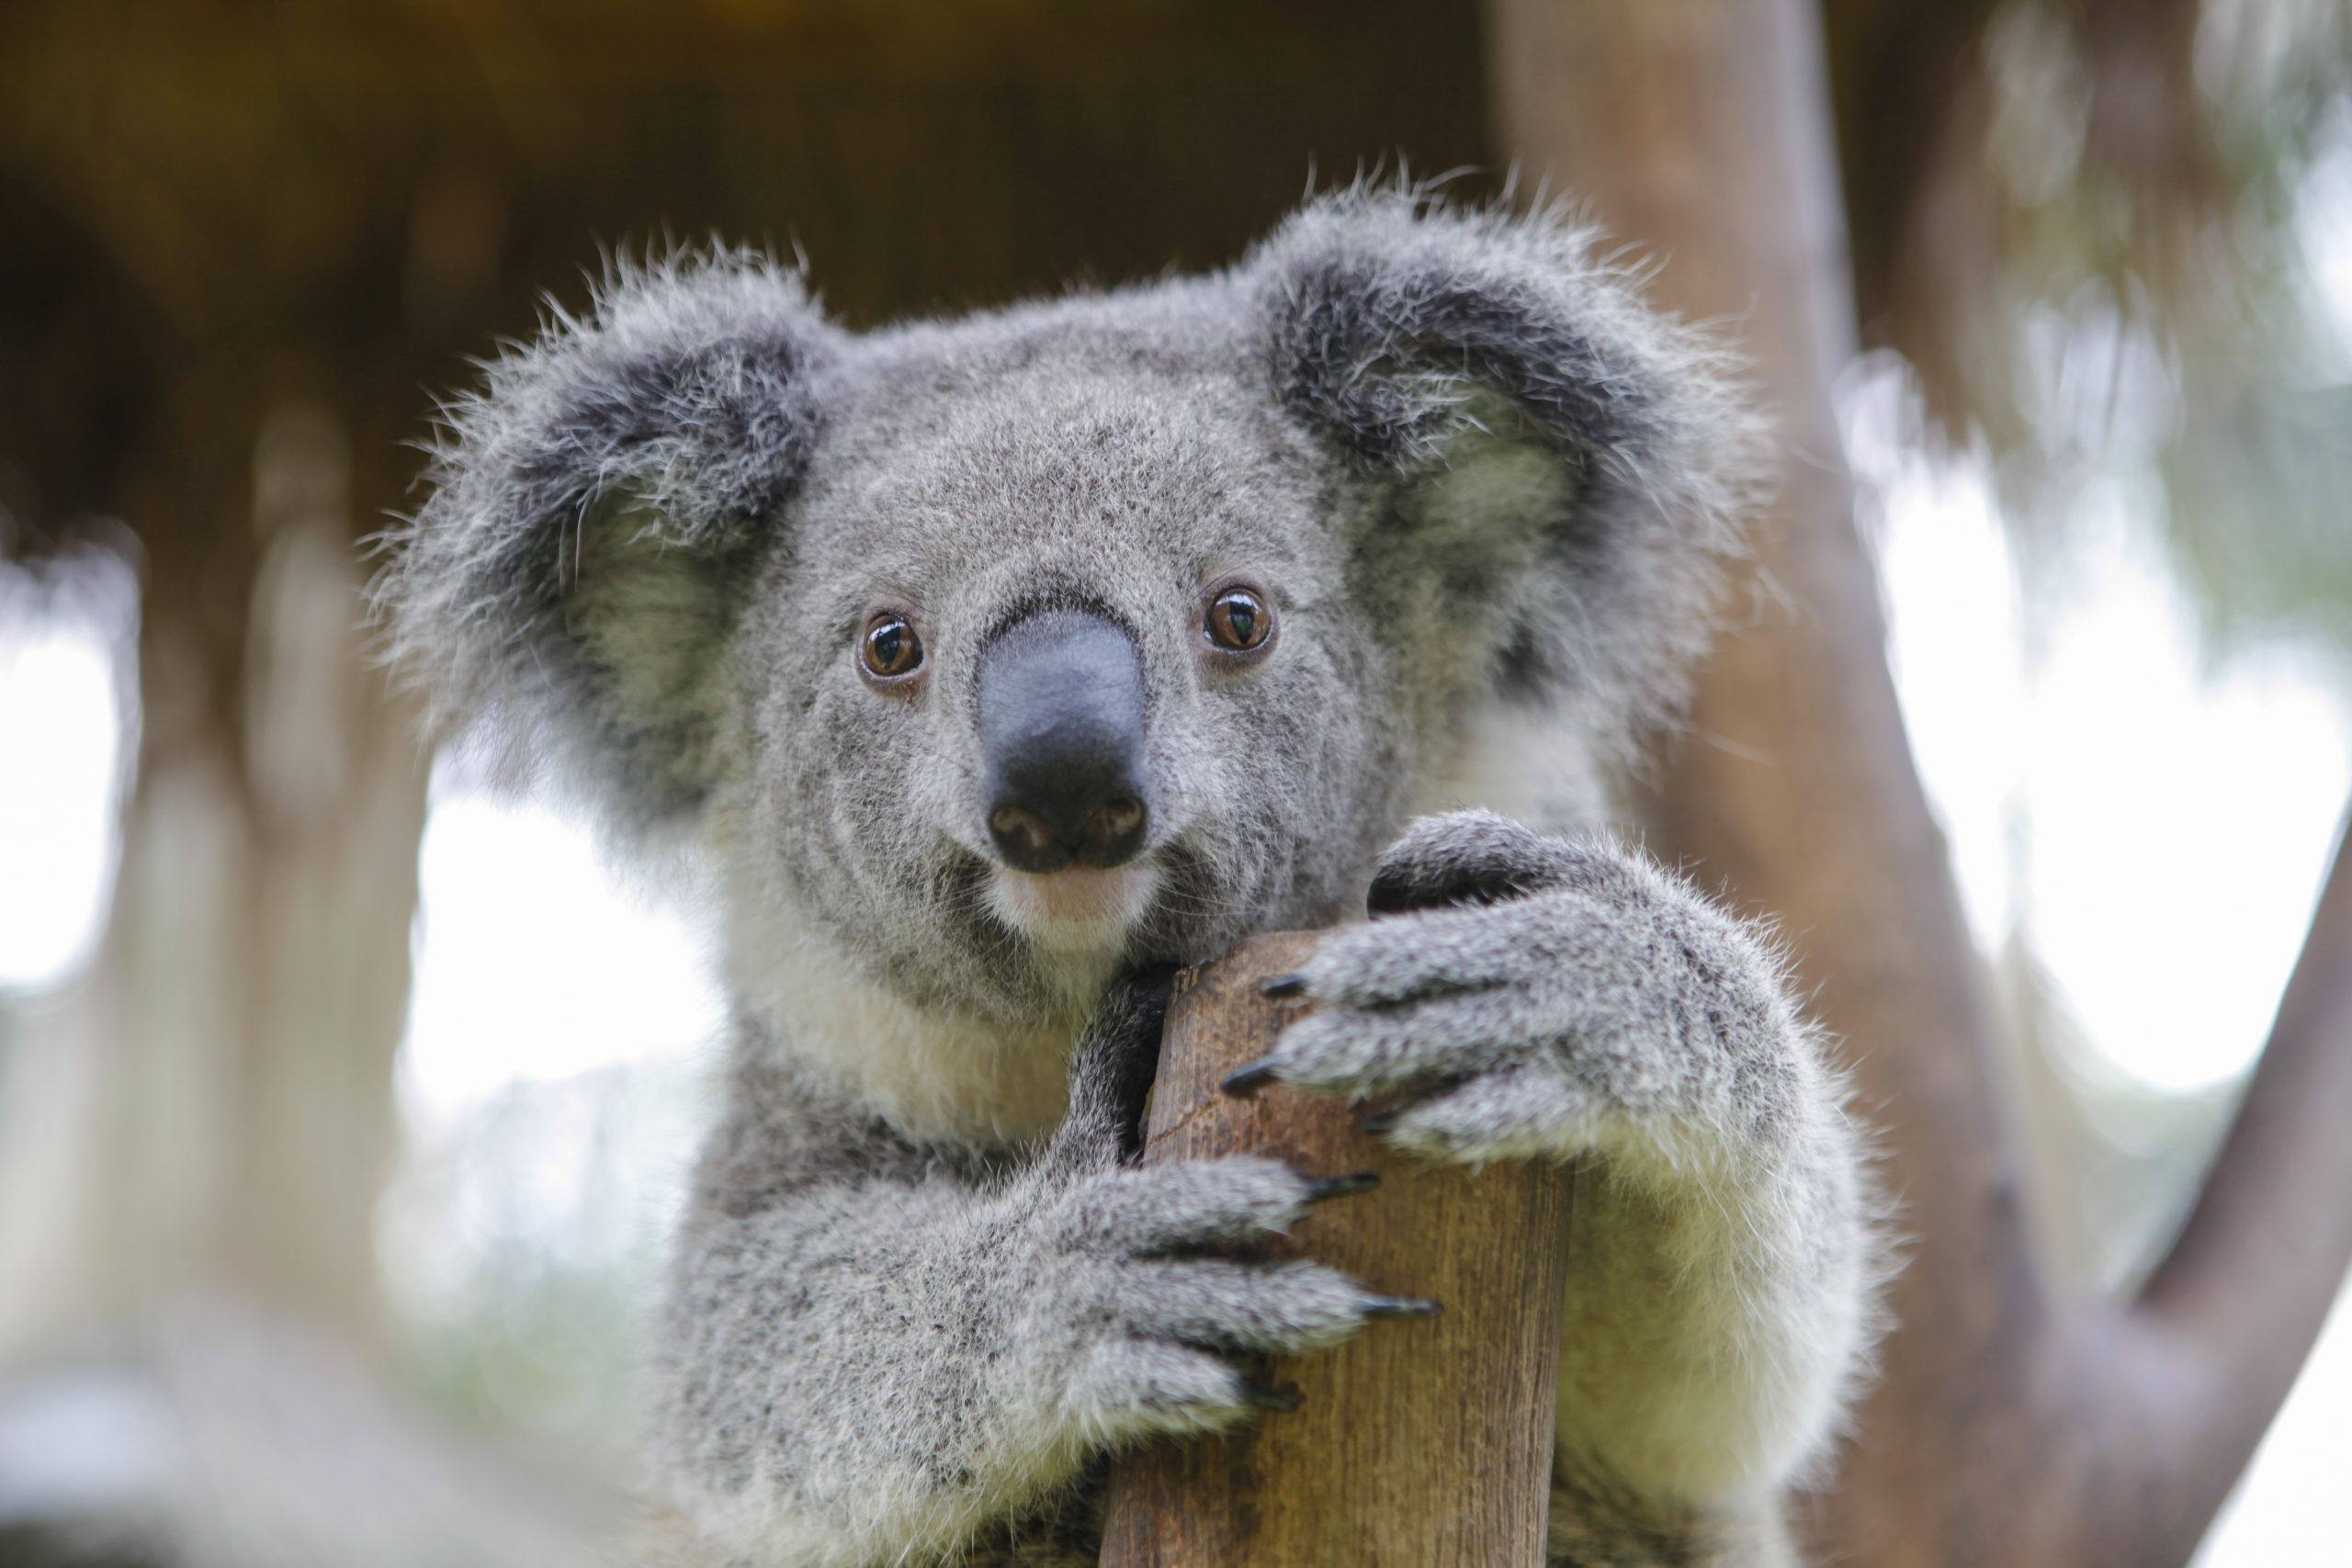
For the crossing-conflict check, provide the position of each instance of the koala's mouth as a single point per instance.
(1076, 908)
(1025, 936)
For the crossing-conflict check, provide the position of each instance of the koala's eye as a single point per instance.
(1239, 620)
(888, 650)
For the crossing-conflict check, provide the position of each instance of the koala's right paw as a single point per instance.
(1144, 1328)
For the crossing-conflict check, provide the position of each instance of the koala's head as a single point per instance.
(989, 652)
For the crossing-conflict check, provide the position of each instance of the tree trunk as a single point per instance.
(2010, 1426)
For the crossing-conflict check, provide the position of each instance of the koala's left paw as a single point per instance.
(1537, 995)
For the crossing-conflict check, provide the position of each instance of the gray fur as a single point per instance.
(920, 1293)
(617, 472)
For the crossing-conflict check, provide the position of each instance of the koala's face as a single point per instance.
(990, 654)
(1065, 662)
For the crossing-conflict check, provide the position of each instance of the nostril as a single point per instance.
(1119, 818)
(1114, 831)
(1026, 840)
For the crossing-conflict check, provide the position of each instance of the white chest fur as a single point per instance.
(932, 1073)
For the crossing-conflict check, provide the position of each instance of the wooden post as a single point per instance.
(1420, 1444)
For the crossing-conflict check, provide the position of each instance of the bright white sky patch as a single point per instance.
(2180, 823)
(532, 964)
(2160, 827)
(2322, 228)
(61, 737)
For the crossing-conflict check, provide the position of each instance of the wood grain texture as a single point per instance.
(1421, 1442)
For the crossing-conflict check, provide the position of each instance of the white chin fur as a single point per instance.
(1075, 910)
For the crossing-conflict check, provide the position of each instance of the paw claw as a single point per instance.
(1285, 1398)
(1400, 1306)
(1283, 985)
(1244, 1082)
(1341, 1186)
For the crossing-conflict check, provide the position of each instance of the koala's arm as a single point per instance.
(1721, 1291)
(1565, 998)
(1723, 1264)
(881, 1352)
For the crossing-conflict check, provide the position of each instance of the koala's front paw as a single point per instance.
(1537, 995)
(1140, 1328)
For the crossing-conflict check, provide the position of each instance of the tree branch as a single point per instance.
(2231, 1314)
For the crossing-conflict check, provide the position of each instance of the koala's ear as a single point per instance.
(1559, 460)
(597, 512)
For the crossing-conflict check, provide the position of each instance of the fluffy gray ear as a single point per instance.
(596, 511)
(1551, 462)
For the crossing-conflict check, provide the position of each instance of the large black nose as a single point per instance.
(1061, 742)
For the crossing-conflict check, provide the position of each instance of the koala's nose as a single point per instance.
(1061, 742)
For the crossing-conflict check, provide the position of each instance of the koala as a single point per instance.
(986, 669)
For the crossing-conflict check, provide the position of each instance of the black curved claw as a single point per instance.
(1244, 1082)
(1341, 1186)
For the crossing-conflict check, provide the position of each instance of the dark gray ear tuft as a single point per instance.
(596, 512)
(1562, 458)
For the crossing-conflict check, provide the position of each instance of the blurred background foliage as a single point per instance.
(2102, 256)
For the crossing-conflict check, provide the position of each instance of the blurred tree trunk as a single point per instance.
(209, 1106)
(2013, 1424)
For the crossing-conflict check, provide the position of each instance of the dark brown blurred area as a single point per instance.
(212, 206)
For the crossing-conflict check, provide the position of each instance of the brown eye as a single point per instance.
(890, 650)
(1239, 620)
